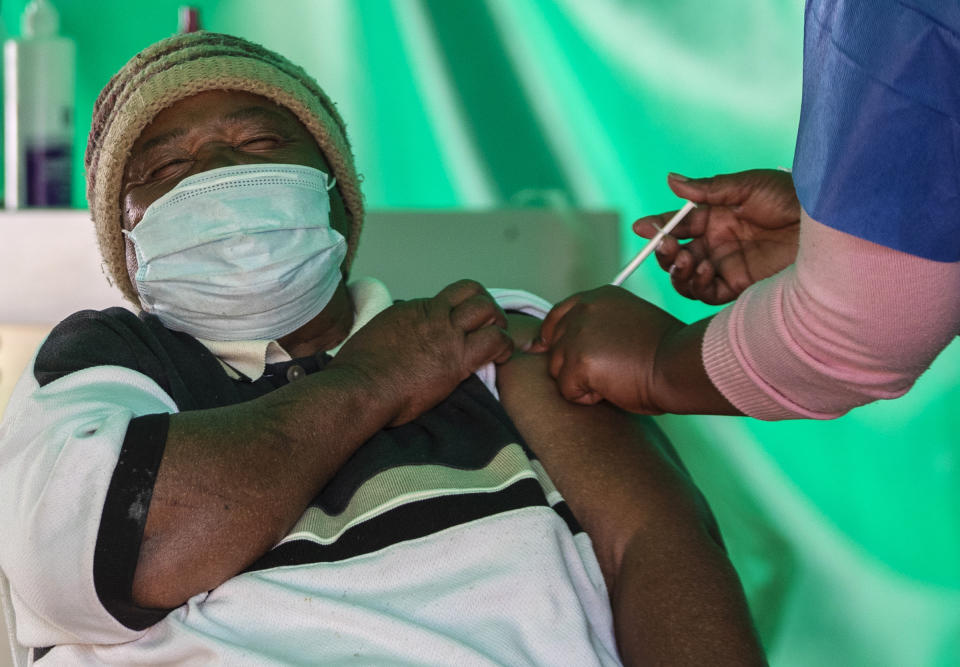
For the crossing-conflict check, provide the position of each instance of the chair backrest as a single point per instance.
(18, 653)
(18, 343)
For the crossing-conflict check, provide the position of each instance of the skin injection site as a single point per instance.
(480, 332)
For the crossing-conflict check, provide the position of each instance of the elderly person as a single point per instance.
(268, 465)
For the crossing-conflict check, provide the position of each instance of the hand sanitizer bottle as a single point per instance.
(38, 111)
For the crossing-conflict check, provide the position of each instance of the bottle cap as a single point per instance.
(40, 19)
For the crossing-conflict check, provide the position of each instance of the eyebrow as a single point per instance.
(162, 139)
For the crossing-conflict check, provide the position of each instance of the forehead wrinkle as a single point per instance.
(258, 113)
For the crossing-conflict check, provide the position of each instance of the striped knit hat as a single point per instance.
(180, 67)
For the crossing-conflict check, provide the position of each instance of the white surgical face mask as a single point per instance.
(239, 253)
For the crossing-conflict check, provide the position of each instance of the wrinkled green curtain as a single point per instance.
(846, 533)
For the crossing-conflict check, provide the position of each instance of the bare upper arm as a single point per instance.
(616, 470)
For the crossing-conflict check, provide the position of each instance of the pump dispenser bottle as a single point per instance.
(38, 111)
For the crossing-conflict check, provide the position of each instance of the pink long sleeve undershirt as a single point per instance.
(849, 323)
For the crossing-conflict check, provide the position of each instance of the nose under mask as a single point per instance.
(239, 253)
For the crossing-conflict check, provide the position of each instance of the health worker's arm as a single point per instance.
(676, 599)
(849, 323)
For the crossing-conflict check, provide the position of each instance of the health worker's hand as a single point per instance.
(416, 352)
(746, 228)
(605, 344)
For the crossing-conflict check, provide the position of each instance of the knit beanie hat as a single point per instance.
(180, 67)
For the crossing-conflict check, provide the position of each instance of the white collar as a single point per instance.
(249, 358)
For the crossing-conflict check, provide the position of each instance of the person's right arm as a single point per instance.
(233, 480)
(676, 598)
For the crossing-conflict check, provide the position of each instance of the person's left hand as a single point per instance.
(603, 344)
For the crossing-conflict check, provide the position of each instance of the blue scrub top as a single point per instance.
(878, 148)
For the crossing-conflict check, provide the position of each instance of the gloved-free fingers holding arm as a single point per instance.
(610, 344)
(215, 506)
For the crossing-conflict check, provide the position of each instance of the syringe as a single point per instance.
(654, 242)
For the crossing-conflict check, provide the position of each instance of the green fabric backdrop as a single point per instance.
(846, 533)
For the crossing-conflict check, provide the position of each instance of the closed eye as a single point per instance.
(262, 143)
(168, 168)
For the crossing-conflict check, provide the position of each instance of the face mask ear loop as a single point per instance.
(136, 250)
(333, 181)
